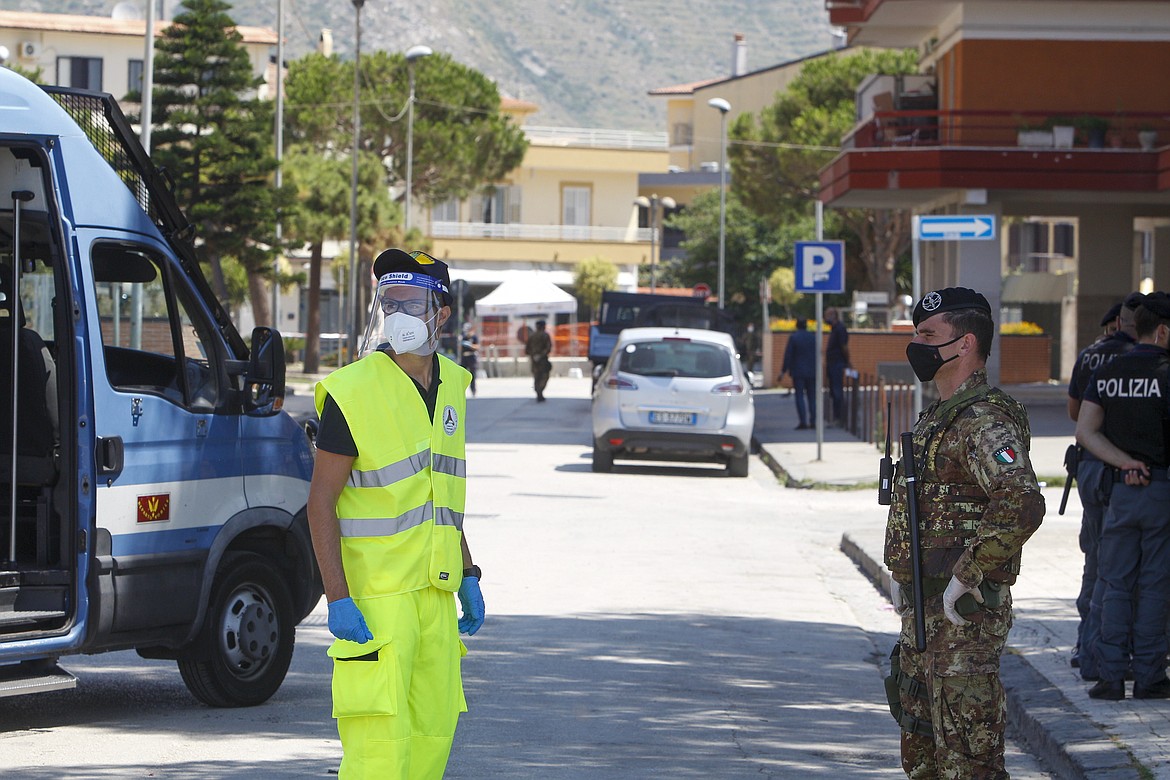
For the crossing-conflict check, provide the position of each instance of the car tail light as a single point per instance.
(728, 387)
(616, 382)
(616, 442)
(727, 447)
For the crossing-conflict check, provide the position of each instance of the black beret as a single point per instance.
(1113, 313)
(949, 299)
(398, 261)
(1157, 303)
(1133, 300)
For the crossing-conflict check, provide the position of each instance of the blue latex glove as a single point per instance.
(346, 621)
(472, 601)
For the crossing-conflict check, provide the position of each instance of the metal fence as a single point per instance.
(870, 399)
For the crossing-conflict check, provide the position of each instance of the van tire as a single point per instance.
(243, 651)
(737, 466)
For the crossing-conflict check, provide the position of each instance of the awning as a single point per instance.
(526, 295)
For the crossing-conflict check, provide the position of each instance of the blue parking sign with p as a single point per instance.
(820, 266)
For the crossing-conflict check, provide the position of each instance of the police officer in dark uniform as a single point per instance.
(1125, 421)
(1090, 470)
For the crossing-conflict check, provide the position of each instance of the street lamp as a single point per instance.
(722, 106)
(352, 325)
(652, 203)
(412, 54)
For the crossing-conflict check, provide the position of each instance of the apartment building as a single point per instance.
(98, 53)
(1037, 112)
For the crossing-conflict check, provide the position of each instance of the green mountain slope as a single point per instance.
(585, 63)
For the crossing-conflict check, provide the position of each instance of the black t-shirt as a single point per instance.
(1094, 357)
(333, 434)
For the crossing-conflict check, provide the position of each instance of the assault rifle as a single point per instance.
(911, 471)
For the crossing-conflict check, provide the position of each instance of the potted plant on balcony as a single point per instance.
(1093, 129)
(1147, 138)
(1031, 134)
(1063, 131)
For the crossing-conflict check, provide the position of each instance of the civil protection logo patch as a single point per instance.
(1005, 455)
(450, 420)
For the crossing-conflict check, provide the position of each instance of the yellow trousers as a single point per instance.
(397, 698)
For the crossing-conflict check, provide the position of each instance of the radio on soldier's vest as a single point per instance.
(886, 468)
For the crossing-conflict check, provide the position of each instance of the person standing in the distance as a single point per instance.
(469, 352)
(800, 362)
(836, 361)
(1125, 421)
(537, 348)
(1090, 471)
(978, 503)
(386, 508)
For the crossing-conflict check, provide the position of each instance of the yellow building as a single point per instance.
(570, 199)
(98, 53)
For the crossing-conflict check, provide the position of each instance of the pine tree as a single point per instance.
(214, 137)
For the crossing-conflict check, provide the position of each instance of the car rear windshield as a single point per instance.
(676, 358)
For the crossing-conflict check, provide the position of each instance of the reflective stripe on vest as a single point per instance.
(388, 526)
(445, 464)
(395, 472)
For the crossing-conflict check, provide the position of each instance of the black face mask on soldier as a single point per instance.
(926, 359)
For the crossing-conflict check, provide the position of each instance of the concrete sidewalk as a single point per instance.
(1076, 736)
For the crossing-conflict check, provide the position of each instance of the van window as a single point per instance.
(153, 339)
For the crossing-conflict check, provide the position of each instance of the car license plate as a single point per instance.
(673, 418)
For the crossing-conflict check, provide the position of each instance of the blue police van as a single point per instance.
(153, 490)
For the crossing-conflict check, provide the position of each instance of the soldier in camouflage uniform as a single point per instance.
(978, 503)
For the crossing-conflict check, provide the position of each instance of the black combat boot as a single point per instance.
(1112, 690)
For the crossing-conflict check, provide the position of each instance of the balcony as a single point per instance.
(511, 231)
(595, 138)
(899, 158)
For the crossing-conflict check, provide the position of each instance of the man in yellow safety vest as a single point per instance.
(386, 511)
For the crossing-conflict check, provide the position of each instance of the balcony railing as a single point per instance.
(522, 232)
(1006, 129)
(594, 138)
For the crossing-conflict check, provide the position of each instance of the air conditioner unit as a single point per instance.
(29, 50)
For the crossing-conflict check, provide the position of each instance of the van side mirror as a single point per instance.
(264, 383)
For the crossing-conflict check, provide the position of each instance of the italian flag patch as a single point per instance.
(1005, 455)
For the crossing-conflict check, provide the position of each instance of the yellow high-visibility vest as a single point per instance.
(401, 514)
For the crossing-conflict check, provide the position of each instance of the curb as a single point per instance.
(774, 465)
(1063, 738)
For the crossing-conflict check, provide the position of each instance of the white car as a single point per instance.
(673, 394)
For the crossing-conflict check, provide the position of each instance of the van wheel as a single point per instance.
(243, 650)
(737, 466)
(602, 460)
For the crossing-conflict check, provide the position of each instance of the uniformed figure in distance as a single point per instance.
(1125, 421)
(978, 503)
(386, 511)
(1119, 339)
(538, 347)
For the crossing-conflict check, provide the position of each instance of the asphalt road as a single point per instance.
(658, 621)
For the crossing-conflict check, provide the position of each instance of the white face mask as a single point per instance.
(409, 334)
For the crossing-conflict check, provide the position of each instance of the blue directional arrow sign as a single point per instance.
(955, 227)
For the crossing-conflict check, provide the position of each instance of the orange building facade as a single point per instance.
(1026, 109)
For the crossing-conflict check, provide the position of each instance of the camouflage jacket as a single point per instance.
(978, 498)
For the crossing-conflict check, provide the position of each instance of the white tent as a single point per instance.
(526, 296)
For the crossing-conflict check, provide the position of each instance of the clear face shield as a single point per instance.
(404, 318)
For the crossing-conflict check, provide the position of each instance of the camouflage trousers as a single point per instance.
(963, 699)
